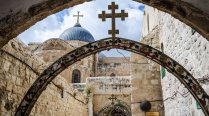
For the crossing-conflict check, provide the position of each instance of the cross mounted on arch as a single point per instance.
(113, 16)
(112, 98)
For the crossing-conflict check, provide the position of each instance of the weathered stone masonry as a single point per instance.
(192, 51)
(16, 77)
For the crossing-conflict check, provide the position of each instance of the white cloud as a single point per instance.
(54, 25)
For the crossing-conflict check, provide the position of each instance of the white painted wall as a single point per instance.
(191, 51)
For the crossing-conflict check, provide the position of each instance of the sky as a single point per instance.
(54, 25)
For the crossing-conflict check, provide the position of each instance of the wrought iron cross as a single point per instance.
(113, 15)
(112, 98)
(78, 15)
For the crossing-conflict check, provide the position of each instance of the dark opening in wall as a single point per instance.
(76, 76)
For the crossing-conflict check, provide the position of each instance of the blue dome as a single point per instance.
(77, 33)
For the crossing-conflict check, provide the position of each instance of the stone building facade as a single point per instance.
(186, 46)
(136, 79)
(113, 66)
(146, 82)
(52, 49)
(95, 66)
(19, 69)
(191, 50)
(88, 87)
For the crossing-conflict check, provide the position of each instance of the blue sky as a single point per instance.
(54, 25)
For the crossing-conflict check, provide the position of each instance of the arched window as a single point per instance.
(76, 76)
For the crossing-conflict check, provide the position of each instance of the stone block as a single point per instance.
(6, 66)
(19, 82)
(9, 86)
(154, 82)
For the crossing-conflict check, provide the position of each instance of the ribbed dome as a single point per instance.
(77, 33)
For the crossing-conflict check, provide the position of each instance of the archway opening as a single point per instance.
(171, 65)
(117, 109)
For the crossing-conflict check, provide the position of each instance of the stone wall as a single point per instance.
(146, 82)
(118, 66)
(109, 85)
(58, 102)
(150, 20)
(191, 50)
(16, 77)
(52, 49)
(100, 90)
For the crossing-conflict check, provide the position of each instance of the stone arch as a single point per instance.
(76, 76)
(111, 109)
(105, 44)
(14, 22)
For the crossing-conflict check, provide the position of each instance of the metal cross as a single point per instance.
(112, 98)
(113, 15)
(78, 16)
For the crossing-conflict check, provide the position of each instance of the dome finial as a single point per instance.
(78, 16)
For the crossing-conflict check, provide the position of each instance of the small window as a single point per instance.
(76, 76)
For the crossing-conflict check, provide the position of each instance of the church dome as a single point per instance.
(77, 33)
